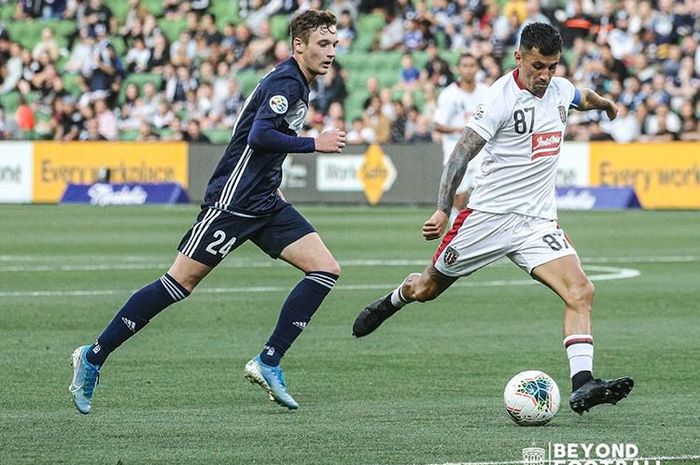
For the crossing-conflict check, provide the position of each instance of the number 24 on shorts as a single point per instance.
(219, 238)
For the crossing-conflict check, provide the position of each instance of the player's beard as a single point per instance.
(539, 89)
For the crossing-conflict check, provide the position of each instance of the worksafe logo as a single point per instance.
(586, 454)
(377, 174)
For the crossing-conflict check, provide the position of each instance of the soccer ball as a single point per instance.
(531, 398)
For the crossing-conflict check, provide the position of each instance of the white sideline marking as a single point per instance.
(640, 459)
(610, 273)
(140, 265)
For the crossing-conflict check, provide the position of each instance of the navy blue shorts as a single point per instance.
(216, 233)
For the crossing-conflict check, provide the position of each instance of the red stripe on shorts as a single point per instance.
(459, 221)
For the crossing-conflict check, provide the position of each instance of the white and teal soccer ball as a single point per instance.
(531, 398)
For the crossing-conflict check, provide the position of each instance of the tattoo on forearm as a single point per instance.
(469, 145)
(591, 101)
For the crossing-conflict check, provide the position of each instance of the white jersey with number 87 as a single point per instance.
(524, 134)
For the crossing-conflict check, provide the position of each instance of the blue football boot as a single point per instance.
(85, 378)
(272, 380)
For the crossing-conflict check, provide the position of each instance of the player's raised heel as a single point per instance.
(600, 391)
(372, 316)
(272, 380)
(85, 378)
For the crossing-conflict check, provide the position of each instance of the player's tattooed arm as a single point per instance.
(590, 100)
(469, 145)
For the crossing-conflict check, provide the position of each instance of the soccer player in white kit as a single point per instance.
(512, 211)
(455, 105)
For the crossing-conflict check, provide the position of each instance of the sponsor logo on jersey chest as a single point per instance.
(546, 144)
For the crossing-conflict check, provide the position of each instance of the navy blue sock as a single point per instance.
(146, 303)
(296, 313)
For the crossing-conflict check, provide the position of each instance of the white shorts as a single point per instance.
(478, 238)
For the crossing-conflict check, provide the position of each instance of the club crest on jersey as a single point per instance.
(562, 113)
(450, 256)
(480, 112)
(279, 104)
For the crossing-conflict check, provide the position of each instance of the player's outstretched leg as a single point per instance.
(600, 391)
(416, 287)
(380, 310)
(309, 254)
(295, 315)
(85, 378)
(270, 378)
(586, 391)
(136, 313)
(375, 314)
(565, 276)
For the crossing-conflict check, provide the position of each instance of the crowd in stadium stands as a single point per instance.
(641, 53)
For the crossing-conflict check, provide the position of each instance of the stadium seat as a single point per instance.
(368, 27)
(119, 8)
(172, 28)
(218, 136)
(6, 12)
(71, 82)
(279, 27)
(226, 11)
(154, 7)
(119, 46)
(450, 56)
(27, 33)
(354, 104)
(248, 80)
(388, 77)
(569, 56)
(10, 102)
(508, 62)
(420, 58)
(128, 134)
(62, 28)
(140, 79)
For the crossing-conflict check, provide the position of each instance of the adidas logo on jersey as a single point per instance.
(299, 324)
(129, 324)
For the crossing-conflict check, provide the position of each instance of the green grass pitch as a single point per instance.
(425, 389)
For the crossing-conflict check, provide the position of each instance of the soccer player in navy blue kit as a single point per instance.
(243, 202)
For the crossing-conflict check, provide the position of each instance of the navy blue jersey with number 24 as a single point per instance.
(246, 181)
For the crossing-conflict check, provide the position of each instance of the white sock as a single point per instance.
(397, 298)
(579, 349)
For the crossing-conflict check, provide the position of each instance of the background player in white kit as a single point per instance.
(455, 106)
(512, 211)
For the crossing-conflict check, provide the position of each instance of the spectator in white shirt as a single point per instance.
(138, 55)
(625, 128)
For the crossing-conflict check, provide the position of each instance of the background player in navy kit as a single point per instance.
(243, 202)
